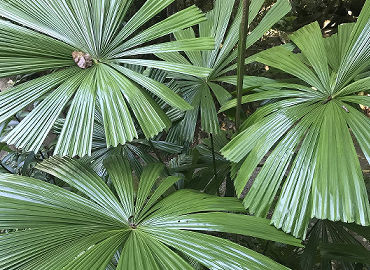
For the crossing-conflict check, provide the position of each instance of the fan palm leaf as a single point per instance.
(307, 131)
(84, 44)
(199, 91)
(138, 152)
(59, 229)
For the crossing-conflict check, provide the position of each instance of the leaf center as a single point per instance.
(82, 60)
(328, 99)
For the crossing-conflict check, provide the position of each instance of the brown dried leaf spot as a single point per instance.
(83, 60)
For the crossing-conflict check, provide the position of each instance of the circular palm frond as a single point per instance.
(307, 131)
(81, 46)
(142, 228)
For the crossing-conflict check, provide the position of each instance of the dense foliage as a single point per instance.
(119, 149)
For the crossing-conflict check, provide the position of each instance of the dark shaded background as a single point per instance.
(303, 12)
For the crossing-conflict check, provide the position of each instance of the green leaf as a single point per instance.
(23, 51)
(120, 173)
(285, 60)
(174, 67)
(18, 97)
(51, 22)
(86, 181)
(31, 203)
(345, 252)
(348, 201)
(222, 95)
(206, 251)
(263, 192)
(178, 21)
(195, 56)
(281, 120)
(362, 100)
(160, 190)
(358, 124)
(217, 27)
(147, 181)
(150, 117)
(363, 84)
(314, 50)
(231, 223)
(79, 122)
(292, 209)
(118, 124)
(249, 82)
(59, 229)
(208, 112)
(217, 61)
(275, 13)
(41, 36)
(187, 45)
(300, 140)
(32, 131)
(157, 88)
(144, 252)
(63, 243)
(98, 256)
(144, 14)
(356, 53)
(261, 96)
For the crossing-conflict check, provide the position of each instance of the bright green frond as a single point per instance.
(356, 53)
(347, 201)
(178, 21)
(201, 72)
(303, 132)
(76, 136)
(44, 35)
(285, 60)
(120, 173)
(208, 114)
(145, 252)
(23, 51)
(34, 128)
(146, 12)
(157, 88)
(205, 249)
(64, 230)
(314, 50)
(85, 180)
(118, 123)
(17, 98)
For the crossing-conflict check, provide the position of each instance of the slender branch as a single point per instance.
(244, 29)
(213, 156)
